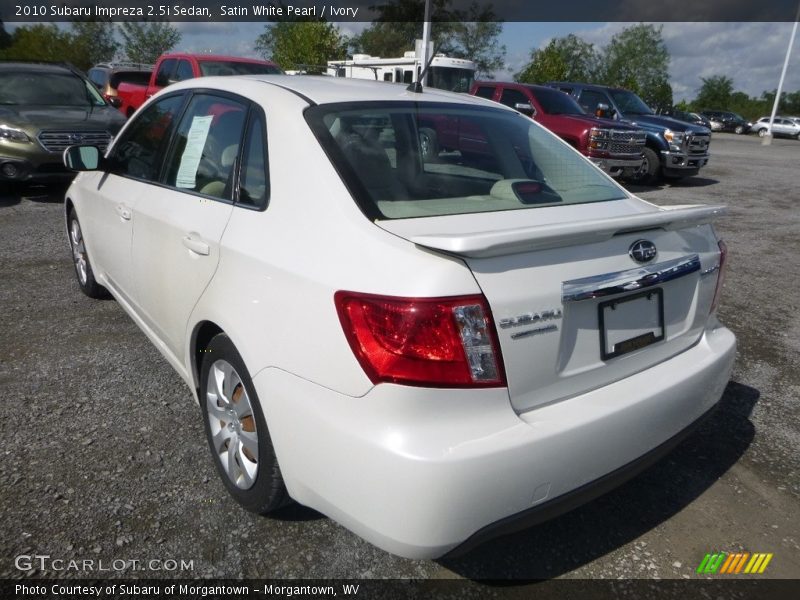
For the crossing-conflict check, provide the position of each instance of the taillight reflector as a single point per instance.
(436, 342)
(723, 261)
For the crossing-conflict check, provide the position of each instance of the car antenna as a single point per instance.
(416, 86)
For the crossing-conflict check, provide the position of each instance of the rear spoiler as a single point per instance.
(482, 244)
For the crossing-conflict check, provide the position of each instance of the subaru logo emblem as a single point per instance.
(642, 251)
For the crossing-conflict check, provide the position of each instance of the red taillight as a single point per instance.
(723, 259)
(436, 342)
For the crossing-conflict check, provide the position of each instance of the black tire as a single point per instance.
(739, 130)
(428, 144)
(81, 262)
(261, 490)
(762, 132)
(650, 168)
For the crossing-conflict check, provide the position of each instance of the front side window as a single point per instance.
(589, 100)
(165, 71)
(554, 102)
(485, 159)
(138, 151)
(513, 97)
(206, 146)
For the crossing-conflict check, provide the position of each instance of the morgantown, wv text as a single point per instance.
(192, 590)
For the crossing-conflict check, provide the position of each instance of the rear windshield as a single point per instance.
(210, 68)
(404, 159)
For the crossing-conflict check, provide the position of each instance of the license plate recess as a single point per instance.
(631, 322)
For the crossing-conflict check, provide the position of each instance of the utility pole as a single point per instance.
(768, 137)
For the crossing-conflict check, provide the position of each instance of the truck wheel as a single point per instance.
(236, 430)
(650, 167)
(428, 144)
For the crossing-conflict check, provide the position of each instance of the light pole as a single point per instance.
(768, 137)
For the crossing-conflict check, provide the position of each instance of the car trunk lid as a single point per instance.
(573, 309)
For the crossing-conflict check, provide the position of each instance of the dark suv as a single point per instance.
(673, 149)
(44, 108)
(108, 76)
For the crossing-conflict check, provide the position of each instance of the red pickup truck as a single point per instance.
(171, 68)
(614, 147)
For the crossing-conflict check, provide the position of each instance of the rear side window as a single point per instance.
(206, 146)
(138, 151)
(184, 71)
(402, 160)
(485, 91)
(254, 178)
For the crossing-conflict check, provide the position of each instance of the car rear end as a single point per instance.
(581, 341)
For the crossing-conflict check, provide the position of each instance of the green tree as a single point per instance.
(145, 42)
(92, 42)
(38, 42)
(306, 45)
(475, 37)
(637, 59)
(563, 59)
(715, 93)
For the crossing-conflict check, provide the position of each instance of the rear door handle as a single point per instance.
(196, 246)
(124, 212)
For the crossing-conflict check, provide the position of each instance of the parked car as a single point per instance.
(172, 68)
(108, 76)
(687, 117)
(614, 147)
(723, 120)
(673, 149)
(424, 350)
(44, 108)
(781, 127)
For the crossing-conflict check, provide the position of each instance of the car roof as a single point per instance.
(216, 57)
(322, 89)
(34, 67)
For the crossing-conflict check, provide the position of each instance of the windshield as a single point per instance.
(211, 68)
(47, 89)
(454, 80)
(403, 159)
(629, 103)
(555, 102)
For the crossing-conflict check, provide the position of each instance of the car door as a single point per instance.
(179, 223)
(112, 198)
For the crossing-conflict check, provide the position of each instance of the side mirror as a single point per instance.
(525, 108)
(604, 111)
(82, 158)
(115, 101)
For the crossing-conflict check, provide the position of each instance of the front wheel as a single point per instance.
(428, 144)
(650, 167)
(739, 130)
(80, 260)
(236, 430)
(762, 132)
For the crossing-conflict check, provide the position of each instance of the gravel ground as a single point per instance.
(105, 456)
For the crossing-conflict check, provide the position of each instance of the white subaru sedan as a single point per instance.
(431, 347)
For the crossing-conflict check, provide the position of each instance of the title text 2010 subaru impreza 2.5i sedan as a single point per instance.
(427, 349)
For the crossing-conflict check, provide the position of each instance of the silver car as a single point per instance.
(781, 126)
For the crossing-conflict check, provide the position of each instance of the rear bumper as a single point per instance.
(418, 471)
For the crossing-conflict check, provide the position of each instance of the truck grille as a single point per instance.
(58, 141)
(698, 143)
(627, 142)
